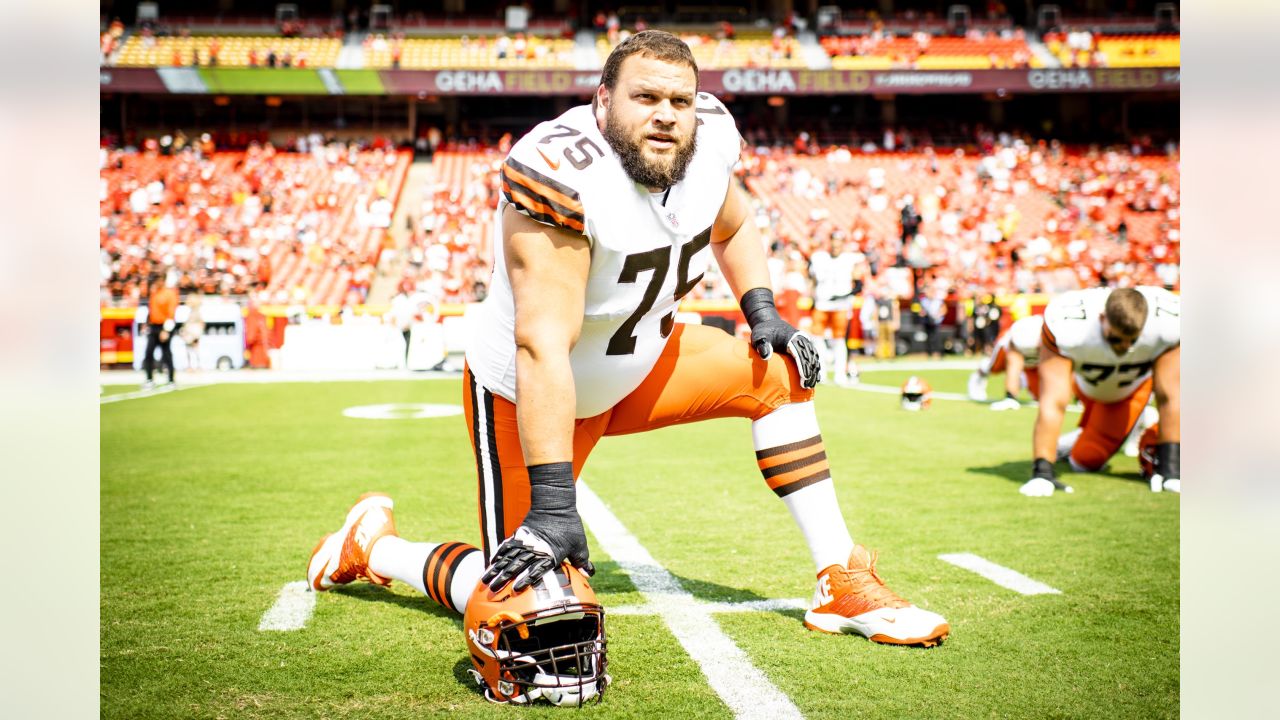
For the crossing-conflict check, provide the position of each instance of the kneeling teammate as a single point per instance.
(1117, 346)
(606, 219)
(1016, 352)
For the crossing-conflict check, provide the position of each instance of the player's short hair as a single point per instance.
(657, 44)
(1126, 310)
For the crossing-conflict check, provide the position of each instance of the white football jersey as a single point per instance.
(1024, 337)
(647, 249)
(832, 280)
(1073, 329)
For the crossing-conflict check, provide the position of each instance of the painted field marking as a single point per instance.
(292, 609)
(161, 390)
(720, 607)
(402, 411)
(741, 686)
(999, 574)
(890, 390)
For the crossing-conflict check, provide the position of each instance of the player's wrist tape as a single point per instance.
(1042, 468)
(1168, 459)
(757, 306)
(551, 488)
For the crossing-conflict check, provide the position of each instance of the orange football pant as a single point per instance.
(1106, 425)
(703, 373)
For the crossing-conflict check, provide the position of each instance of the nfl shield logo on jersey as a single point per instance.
(671, 218)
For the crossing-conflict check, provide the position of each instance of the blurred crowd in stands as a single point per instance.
(1008, 214)
(302, 227)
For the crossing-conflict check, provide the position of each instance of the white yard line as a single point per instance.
(163, 390)
(890, 390)
(292, 609)
(742, 687)
(999, 574)
(720, 607)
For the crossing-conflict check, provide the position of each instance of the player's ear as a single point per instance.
(600, 104)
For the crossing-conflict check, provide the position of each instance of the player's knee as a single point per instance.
(1086, 459)
(781, 386)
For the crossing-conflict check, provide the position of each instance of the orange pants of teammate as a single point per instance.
(830, 324)
(703, 373)
(1106, 425)
(999, 363)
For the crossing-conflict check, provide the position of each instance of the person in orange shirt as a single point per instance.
(161, 306)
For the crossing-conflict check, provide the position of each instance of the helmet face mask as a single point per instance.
(545, 642)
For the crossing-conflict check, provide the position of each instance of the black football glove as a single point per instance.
(551, 532)
(769, 332)
(1043, 480)
(1168, 474)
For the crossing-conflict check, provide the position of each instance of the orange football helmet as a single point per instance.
(916, 394)
(546, 641)
(1147, 451)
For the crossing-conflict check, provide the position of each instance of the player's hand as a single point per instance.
(1043, 481)
(1007, 403)
(769, 333)
(526, 556)
(550, 534)
(1168, 468)
(779, 335)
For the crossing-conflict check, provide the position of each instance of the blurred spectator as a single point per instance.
(161, 308)
(888, 320)
(192, 331)
(934, 307)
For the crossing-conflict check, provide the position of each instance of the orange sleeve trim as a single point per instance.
(542, 211)
(1048, 340)
(543, 187)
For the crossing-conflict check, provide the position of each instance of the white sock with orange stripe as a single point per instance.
(793, 460)
(444, 572)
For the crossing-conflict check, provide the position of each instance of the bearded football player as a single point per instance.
(609, 215)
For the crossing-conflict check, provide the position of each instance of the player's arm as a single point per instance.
(1166, 377)
(1055, 394)
(548, 271)
(548, 268)
(1014, 363)
(737, 246)
(740, 253)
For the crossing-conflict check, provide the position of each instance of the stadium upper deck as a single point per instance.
(857, 45)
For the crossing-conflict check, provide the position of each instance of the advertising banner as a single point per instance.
(581, 83)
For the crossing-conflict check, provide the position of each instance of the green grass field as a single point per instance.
(212, 498)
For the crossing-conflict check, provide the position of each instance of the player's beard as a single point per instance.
(662, 172)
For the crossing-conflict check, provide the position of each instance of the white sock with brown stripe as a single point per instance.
(453, 566)
(793, 460)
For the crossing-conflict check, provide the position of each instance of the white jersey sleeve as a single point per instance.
(543, 171)
(1024, 337)
(717, 128)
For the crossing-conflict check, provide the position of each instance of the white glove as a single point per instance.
(1006, 404)
(1042, 487)
(1160, 484)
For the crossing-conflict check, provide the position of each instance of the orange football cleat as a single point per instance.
(343, 556)
(853, 599)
